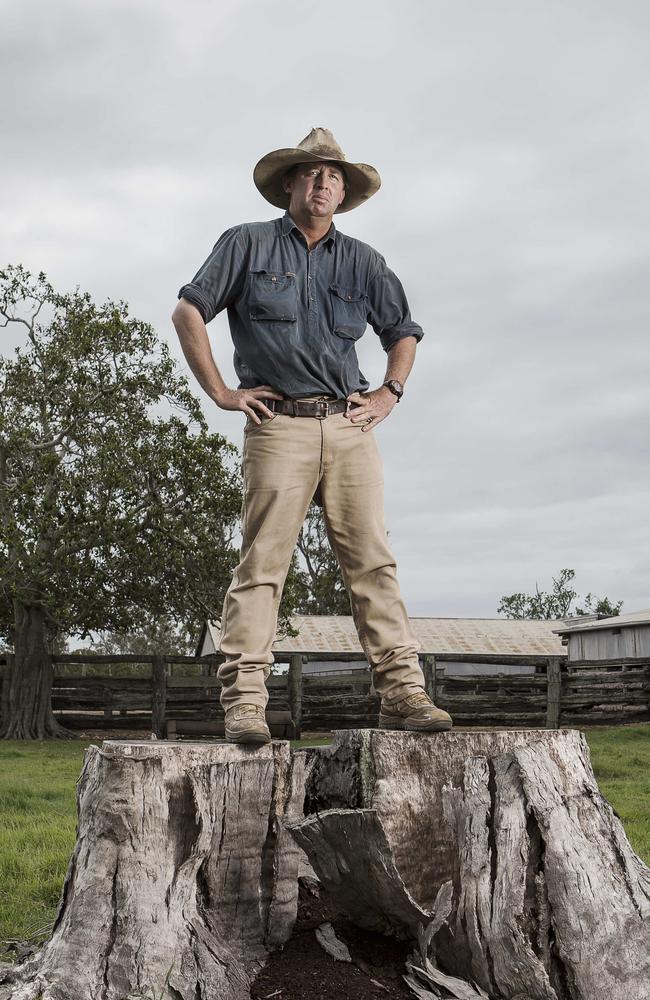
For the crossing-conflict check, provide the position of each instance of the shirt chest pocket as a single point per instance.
(272, 297)
(350, 311)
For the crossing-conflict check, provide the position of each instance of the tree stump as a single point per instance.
(182, 878)
(494, 849)
(501, 843)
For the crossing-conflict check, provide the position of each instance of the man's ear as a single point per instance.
(287, 184)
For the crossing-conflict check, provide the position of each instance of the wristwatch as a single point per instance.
(395, 387)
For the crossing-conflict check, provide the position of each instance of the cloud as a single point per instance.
(512, 141)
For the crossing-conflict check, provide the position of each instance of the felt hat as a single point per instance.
(362, 180)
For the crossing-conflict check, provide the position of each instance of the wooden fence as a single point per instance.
(155, 691)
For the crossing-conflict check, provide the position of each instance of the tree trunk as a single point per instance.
(501, 842)
(29, 701)
(182, 878)
(494, 850)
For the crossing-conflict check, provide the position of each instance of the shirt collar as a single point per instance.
(288, 225)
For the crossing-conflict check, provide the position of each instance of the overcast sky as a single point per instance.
(513, 140)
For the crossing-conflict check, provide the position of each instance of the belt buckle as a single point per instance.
(322, 403)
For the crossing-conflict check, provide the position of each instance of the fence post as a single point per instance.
(553, 692)
(158, 696)
(294, 680)
(440, 683)
(428, 663)
(6, 670)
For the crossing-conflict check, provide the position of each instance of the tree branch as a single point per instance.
(67, 431)
(302, 546)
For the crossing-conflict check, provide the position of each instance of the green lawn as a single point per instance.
(37, 830)
(38, 816)
(621, 762)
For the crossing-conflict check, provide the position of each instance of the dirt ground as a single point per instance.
(302, 970)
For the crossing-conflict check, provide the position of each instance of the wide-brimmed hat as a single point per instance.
(362, 180)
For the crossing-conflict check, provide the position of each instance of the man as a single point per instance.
(299, 294)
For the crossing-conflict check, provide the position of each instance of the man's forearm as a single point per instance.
(400, 359)
(194, 340)
(370, 408)
(196, 347)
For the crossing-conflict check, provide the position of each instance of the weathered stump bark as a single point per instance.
(494, 849)
(182, 873)
(501, 842)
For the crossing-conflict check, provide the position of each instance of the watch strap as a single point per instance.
(394, 386)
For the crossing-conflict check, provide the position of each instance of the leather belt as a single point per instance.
(320, 408)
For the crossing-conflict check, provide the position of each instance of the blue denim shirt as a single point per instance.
(295, 315)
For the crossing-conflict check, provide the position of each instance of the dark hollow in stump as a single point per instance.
(185, 871)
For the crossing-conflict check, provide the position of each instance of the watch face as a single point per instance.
(395, 387)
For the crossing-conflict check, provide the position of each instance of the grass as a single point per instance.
(38, 816)
(37, 831)
(621, 762)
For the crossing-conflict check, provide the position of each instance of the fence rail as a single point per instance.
(557, 694)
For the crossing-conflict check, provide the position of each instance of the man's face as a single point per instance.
(315, 189)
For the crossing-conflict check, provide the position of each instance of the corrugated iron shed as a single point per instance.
(471, 636)
(623, 637)
(618, 621)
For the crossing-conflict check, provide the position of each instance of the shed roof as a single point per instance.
(471, 636)
(617, 621)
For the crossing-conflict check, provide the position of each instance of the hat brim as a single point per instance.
(362, 180)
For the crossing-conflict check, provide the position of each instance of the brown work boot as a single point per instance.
(415, 712)
(246, 724)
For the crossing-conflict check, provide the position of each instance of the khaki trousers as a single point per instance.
(285, 459)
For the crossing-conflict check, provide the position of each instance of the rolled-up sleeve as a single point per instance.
(389, 313)
(219, 281)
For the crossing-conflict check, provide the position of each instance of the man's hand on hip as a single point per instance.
(249, 401)
(370, 408)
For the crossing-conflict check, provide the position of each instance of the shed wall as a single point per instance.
(610, 644)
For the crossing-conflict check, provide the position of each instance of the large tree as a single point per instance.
(117, 506)
(558, 602)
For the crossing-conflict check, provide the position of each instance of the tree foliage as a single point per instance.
(319, 587)
(162, 637)
(117, 506)
(110, 512)
(558, 602)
